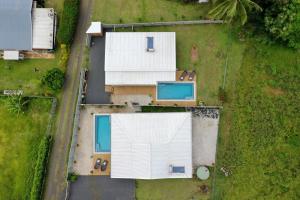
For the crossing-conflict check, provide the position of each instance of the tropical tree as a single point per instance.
(233, 9)
(17, 104)
(54, 79)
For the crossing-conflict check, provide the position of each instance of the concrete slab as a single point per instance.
(205, 134)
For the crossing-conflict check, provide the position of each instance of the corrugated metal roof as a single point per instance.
(127, 52)
(16, 25)
(144, 145)
(137, 78)
(43, 28)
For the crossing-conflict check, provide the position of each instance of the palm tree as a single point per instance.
(230, 9)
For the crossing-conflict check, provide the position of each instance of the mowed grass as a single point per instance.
(208, 59)
(125, 11)
(260, 141)
(25, 74)
(19, 140)
(183, 189)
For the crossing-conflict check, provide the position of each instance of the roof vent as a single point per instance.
(150, 44)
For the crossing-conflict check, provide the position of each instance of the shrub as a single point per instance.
(72, 177)
(17, 104)
(64, 56)
(282, 21)
(41, 3)
(222, 95)
(40, 168)
(68, 22)
(54, 79)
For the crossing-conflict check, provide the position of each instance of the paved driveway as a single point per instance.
(102, 188)
(96, 78)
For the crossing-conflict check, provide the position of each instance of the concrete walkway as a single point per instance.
(56, 181)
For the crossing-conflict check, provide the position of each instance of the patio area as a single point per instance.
(145, 95)
(84, 153)
(104, 156)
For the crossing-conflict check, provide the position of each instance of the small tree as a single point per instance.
(17, 104)
(282, 21)
(54, 79)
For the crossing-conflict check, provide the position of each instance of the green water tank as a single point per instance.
(203, 173)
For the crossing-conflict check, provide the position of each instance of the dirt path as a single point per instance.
(56, 181)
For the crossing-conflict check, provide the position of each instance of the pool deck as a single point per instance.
(151, 92)
(103, 157)
(84, 151)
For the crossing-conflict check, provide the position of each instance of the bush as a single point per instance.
(72, 177)
(17, 104)
(40, 168)
(162, 109)
(68, 22)
(282, 21)
(54, 79)
(222, 95)
(64, 56)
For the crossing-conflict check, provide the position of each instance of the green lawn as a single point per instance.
(22, 75)
(56, 4)
(183, 189)
(19, 140)
(210, 42)
(260, 140)
(125, 11)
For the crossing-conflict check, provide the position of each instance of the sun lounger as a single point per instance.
(192, 75)
(97, 164)
(183, 75)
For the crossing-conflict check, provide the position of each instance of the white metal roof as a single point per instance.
(43, 28)
(127, 52)
(95, 27)
(144, 145)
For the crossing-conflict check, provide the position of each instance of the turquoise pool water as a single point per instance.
(102, 133)
(175, 91)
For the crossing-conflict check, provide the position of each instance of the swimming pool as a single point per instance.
(179, 91)
(102, 133)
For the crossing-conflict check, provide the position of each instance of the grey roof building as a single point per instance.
(16, 25)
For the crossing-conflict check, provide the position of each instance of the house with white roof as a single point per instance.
(151, 145)
(139, 58)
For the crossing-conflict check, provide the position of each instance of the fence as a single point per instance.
(149, 24)
(75, 123)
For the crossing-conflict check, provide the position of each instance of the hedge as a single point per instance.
(68, 21)
(40, 168)
(162, 109)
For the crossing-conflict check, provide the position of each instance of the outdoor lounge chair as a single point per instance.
(192, 75)
(104, 165)
(97, 164)
(183, 75)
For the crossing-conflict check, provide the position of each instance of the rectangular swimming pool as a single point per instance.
(102, 133)
(182, 91)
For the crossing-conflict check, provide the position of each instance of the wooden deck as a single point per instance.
(98, 172)
(151, 91)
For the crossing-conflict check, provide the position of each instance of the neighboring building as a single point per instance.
(151, 145)
(25, 27)
(139, 58)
